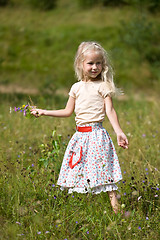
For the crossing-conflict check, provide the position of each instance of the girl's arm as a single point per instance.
(66, 112)
(112, 116)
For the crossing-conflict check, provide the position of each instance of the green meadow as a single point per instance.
(36, 65)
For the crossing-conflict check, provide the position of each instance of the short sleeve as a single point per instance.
(72, 92)
(104, 90)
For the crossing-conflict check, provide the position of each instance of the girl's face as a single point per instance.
(92, 64)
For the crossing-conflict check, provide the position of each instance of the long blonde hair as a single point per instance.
(107, 71)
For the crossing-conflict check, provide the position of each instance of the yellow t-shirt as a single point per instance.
(89, 101)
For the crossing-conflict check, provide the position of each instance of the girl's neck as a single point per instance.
(89, 79)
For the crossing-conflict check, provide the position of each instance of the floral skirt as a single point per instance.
(90, 162)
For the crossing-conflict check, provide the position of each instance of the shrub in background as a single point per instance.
(87, 3)
(43, 4)
(3, 2)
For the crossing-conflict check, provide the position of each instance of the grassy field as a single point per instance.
(37, 53)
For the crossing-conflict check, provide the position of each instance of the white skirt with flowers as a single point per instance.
(90, 162)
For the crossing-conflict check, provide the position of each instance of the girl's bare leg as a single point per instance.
(114, 202)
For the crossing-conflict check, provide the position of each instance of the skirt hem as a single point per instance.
(94, 190)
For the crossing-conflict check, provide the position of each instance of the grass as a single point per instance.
(33, 206)
(37, 53)
(51, 39)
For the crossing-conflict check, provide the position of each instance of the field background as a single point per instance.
(37, 50)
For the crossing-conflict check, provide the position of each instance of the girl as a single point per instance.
(90, 162)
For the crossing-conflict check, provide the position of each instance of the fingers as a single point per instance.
(123, 143)
(35, 112)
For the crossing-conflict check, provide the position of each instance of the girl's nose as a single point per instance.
(94, 66)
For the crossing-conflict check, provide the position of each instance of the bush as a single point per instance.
(113, 2)
(87, 3)
(3, 2)
(43, 4)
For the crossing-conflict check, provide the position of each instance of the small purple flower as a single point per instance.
(32, 165)
(73, 196)
(76, 221)
(125, 194)
(124, 172)
(147, 218)
(157, 189)
(18, 223)
(53, 185)
(47, 232)
(24, 113)
(18, 108)
(144, 135)
(15, 109)
(54, 197)
(146, 169)
(87, 232)
(38, 232)
(139, 228)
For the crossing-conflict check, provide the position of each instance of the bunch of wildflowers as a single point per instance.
(25, 109)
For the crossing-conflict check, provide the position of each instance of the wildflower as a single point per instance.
(134, 193)
(87, 232)
(47, 232)
(38, 232)
(124, 172)
(147, 218)
(53, 185)
(139, 198)
(127, 214)
(125, 194)
(76, 221)
(32, 165)
(146, 169)
(123, 205)
(18, 223)
(139, 228)
(73, 196)
(157, 189)
(143, 135)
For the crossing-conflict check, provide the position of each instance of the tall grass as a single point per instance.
(33, 206)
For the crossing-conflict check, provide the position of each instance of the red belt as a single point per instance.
(79, 129)
(84, 129)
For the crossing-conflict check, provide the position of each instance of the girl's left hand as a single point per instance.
(122, 140)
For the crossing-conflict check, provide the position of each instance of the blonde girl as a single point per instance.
(90, 162)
